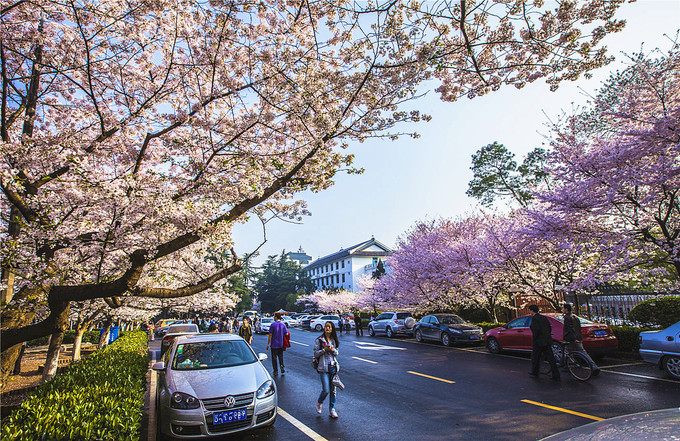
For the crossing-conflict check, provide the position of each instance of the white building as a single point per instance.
(342, 269)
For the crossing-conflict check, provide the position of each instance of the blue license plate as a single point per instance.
(600, 333)
(474, 337)
(230, 416)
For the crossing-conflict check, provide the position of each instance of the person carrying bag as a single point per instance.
(326, 352)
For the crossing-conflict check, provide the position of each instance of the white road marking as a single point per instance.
(376, 347)
(300, 426)
(641, 376)
(622, 365)
(363, 359)
(298, 343)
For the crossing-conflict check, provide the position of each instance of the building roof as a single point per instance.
(356, 250)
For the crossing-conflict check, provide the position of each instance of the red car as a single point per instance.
(598, 339)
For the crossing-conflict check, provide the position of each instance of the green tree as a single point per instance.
(237, 285)
(496, 174)
(280, 283)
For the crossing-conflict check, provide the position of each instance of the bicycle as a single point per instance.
(575, 361)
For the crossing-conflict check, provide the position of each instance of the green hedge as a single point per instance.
(97, 398)
(69, 336)
(628, 337)
(488, 325)
(661, 311)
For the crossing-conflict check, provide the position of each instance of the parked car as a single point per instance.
(305, 322)
(290, 321)
(598, 339)
(211, 385)
(449, 329)
(161, 327)
(318, 323)
(262, 326)
(175, 331)
(662, 348)
(392, 323)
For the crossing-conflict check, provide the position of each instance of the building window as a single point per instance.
(343, 263)
(343, 278)
(337, 278)
(337, 265)
(375, 261)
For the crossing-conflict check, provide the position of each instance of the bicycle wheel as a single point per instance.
(579, 366)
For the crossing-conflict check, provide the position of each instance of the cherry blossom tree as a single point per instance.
(332, 301)
(135, 134)
(617, 166)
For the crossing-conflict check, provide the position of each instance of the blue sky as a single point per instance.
(415, 179)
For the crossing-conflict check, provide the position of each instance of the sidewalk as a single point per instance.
(149, 422)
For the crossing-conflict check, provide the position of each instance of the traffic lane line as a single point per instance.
(363, 359)
(561, 409)
(637, 363)
(300, 426)
(298, 343)
(431, 377)
(647, 377)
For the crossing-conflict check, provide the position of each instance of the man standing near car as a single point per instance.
(359, 326)
(571, 333)
(542, 343)
(275, 339)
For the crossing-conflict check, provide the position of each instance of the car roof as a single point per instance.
(211, 336)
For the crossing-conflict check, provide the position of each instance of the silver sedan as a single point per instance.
(662, 348)
(213, 384)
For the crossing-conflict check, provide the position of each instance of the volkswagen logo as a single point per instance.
(229, 401)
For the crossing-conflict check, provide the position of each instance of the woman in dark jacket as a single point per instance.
(326, 351)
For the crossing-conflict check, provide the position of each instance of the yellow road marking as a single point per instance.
(298, 343)
(300, 426)
(367, 361)
(559, 409)
(433, 378)
(622, 365)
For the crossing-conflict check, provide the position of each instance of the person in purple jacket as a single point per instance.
(276, 332)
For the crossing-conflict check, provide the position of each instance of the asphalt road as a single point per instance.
(400, 389)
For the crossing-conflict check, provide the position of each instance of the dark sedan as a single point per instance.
(449, 329)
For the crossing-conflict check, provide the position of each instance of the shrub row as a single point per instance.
(628, 337)
(98, 398)
(69, 336)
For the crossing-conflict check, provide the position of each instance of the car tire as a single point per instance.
(389, 332)
(419, 336)
(318, 328)
(371, 332)
(492, 345)
(446, 339)
(671, 365)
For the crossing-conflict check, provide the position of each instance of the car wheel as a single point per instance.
(419, 336)
(446, 339)
(371, 332)
(492, 345)
(672, 366)
(318, 328)
(389, 332)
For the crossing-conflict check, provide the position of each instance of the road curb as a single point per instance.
(151, 398)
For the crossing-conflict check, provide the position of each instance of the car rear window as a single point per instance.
(583, 321)
(212, 354)
(182, 328)
(403, 315)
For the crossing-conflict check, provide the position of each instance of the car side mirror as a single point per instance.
(505, 326)
(158, 366)
(262, 356)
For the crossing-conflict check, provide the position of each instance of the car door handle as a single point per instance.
(669, 338)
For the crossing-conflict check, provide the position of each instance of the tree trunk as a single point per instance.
(104, 338)
(52, 361)
(77, 341)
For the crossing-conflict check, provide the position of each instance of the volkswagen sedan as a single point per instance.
(213, 384)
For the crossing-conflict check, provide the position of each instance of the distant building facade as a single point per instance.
(342, 269)
(300, 257)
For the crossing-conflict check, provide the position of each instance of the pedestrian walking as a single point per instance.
(571, 333)
(326, 352)
(542, 343)
(358, 324)
(212, 328)
(347, 325)
(340, 325)
(275, 339)
(235, 325)
(246, 332)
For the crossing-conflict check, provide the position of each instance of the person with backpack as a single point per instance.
(245, 331)
(325, 353)
(571, 333)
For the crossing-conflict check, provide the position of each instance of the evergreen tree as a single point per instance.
(280, 283)
(379, 270)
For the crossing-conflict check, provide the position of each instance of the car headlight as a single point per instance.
(266, 389)
(181, 400)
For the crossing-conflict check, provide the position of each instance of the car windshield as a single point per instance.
(450, 320)
(583, 321)
(403, 315)
(212, 354)
(176, 329)
(267, 320)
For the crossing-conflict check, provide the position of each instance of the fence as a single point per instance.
(610, 307)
